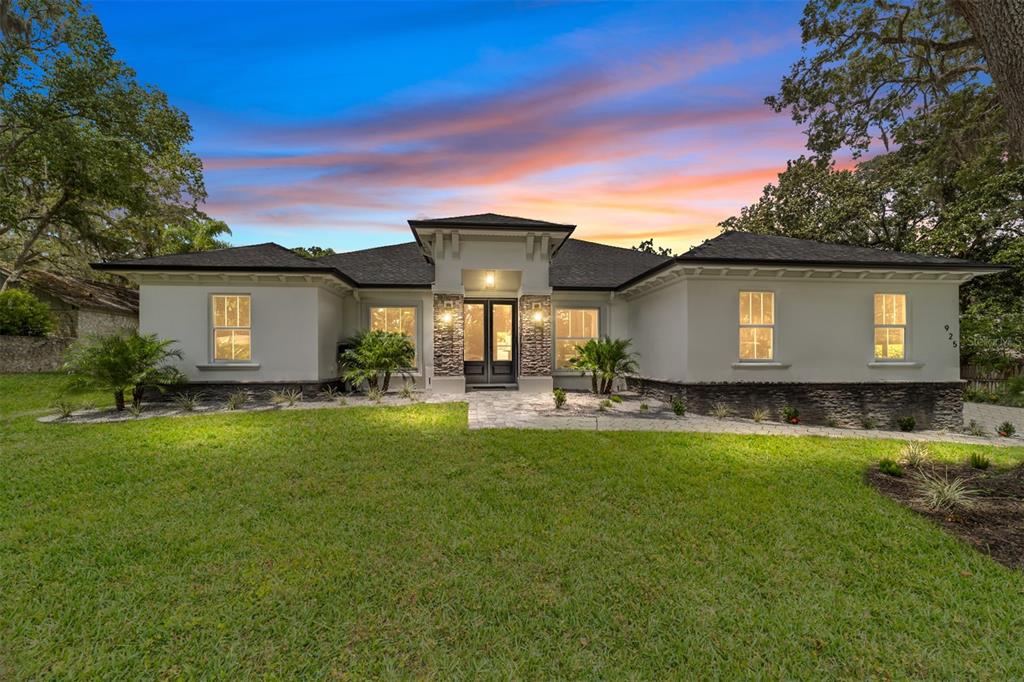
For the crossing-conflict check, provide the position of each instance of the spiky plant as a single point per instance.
(915, 454)
(940, 493)
(124, 362)
(606, 360)
(375, 356)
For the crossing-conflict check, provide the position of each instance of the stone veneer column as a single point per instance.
(448, 337)
(534, 338)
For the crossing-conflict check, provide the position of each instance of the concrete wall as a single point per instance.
(285, 329)
(330, 332)
(657, 325)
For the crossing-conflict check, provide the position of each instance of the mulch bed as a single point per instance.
(995, 525)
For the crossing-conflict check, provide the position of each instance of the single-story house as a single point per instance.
(843, 333)
(81, 306)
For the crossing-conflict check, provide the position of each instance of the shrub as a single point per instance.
(980, 395)
(906, 423)
(330, 393)
(868, 422)
(939, 493)
(1006, 430)
(22, 314)
(890, 467)
(288, 396)
(976, 429)
(406, 391)
(616, 399)
(1012, 392)
(237, 399)
(720, 410)
(187, 401)
(678, 405)
(606, 359)
(831, 421)
(915, 454)
(644, 406)
(559, 396)
(64, 409)
(759, 414)
(605, 404)
(135, 410)
(790, 415)
(375, 356)
(979, 460)
(122, 362)
(375, 394)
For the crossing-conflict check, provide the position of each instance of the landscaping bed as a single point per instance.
(993, 524)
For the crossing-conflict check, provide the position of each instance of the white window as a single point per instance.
(757, 325)
(232, 327)
(398, 319)
(890, 326)
(573, 327)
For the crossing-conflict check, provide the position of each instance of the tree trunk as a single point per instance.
(998, 26)
(119, 400)
(137, 396)
(593, 382)
(22, 258)
(387, 382)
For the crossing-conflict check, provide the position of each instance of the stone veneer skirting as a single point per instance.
(534, 338)
(933, 405)
(215, 391)
(448, 338)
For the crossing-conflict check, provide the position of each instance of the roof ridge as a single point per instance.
(630, 249)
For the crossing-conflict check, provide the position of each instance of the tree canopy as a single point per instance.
(92, 163)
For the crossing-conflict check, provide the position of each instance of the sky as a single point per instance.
(332, 124)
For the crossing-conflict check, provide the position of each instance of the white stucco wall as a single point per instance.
(330, 332)
(287, 336)
(688, 331)
(356, 318)
(491, 252)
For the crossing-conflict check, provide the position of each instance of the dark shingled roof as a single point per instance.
(269, 256)
(78, 292)
(589, 265)
(492, 220)
(745, 247)
(399, 265)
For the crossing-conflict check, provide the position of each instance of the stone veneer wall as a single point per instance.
(933, 405)
(448, 338)
(534, 339)
(19, 354)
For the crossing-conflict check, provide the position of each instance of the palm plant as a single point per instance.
(123, 362)
(606, 360)
(375, 356)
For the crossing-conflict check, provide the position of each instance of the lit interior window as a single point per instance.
(401, 320)
(573, 327)
(757, 325)
(890, 326)
(232, 327)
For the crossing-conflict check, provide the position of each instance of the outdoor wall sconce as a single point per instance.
(489, 280)
(447, 316)
(538, 314)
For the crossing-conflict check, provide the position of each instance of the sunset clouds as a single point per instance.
(663, 134)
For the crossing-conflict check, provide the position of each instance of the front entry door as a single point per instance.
(489, 329)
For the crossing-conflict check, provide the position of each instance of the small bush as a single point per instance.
(979, 461)
(644, 406)
(790, 415)
(759, 414)
(868, 422)
(559, 397)
(406, 391)
(237, 399)
(678, 405)
(64, 409)
(605, 404)
(831, 421)
(980, 395)
(939, 493)
(135, 410)
(330, 393)
(1006, 430)
(720, 410)
(915, 454)
(906, 423)
(890, 467)
(288, 396)
(342, 400)
(976, 429)
(187, 401)
(616, 399)
(22, 314)
(1012, 392)
(375, 394)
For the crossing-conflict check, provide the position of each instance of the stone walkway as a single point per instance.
(513, 410)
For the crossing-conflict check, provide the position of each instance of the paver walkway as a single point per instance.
(511, 409)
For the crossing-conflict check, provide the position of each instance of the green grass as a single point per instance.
(392, 542)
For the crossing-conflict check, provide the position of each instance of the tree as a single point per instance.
(22, 314)
(83, 146)
(375, 356)
(123, 362)
(647, 246)
(313, 251)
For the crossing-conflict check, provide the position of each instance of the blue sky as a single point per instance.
(333, 123)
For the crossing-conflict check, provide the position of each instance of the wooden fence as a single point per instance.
(988, 380)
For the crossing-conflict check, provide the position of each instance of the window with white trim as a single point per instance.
(232, 327)
(757, 325)
(573, 327)
(398, 319)
(890, 326)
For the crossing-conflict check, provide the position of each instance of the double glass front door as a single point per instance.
(489, 328)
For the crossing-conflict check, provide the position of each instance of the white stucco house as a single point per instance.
(843, 333)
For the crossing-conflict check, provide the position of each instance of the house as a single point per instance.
(843, 333)
(80, 306)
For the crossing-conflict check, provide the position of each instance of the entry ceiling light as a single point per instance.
(489, 279)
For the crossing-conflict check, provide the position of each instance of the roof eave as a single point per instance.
(148, 267)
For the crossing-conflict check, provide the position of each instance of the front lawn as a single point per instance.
(394, 542)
